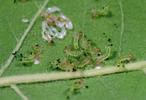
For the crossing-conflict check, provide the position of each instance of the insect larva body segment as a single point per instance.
(84, 43)
(28, 60)
(85, 62)
(104, 12)
(76, 39)
(70, 51)
(65, 65)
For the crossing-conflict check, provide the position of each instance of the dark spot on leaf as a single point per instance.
(57, 68)
(20, 59)
(103, 33)
(87, 86)
(109, 40)
(24, 64)
(107, 59)
(14, 53)
(52, 42)
(111, 44)
(98, 54)
(37, 45)
(74, 70)
(31, 53)
(58, 60)
(85, 54)
(51, 35)
(68, 97)
(116, 25)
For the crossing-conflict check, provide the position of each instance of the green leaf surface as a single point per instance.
(130, 39)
